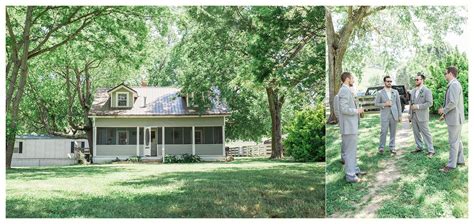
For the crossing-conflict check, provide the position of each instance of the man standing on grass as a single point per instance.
(388, 100)
(453, 113)
(421, 100)
(349, 124)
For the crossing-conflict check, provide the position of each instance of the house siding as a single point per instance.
(45, 152)
(209, 149)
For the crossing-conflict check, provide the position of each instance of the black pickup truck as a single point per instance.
(404, 94)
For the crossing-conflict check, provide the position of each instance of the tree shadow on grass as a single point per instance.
(229, 192)
(423, 190)
(44, 173)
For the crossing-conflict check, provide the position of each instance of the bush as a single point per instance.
(135, 159)
(189, 158)
(306, 135)
(184, 158)
(437, 83)
(171, 159)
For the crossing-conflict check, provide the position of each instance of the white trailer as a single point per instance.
(45, 150)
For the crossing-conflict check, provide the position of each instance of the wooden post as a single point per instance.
(194, 146)
(138, 141)
(163, 143)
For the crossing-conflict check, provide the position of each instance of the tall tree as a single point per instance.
(246, 51)
(380, 34)
(45, 30)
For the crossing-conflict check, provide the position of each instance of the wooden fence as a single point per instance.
(250, 150)
(367, 102)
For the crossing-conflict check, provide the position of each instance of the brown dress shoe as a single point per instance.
(358, 180)
(417, 150)
(461, 164)
(446, 169)
(430, 155)
(361, 173)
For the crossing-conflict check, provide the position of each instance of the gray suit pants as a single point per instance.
(349, 145)
(455, 146)
(385, 126)
(420, 128)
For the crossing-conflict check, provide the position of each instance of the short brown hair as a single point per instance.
(421, 75)
(453, 70)
(345, 75)
(386, 77)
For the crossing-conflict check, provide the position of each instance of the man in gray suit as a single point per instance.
(421, 100)
(453, 113)
(349, 124)
(388, 100)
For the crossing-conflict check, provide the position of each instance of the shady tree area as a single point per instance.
(267, 63)
(396, 40)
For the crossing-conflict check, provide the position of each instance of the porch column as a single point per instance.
(138, 141)
(223, 138)
(94, 139)
(194, 146)
(163, 143)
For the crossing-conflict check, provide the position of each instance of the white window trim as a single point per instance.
(117, 98)
(118, 136)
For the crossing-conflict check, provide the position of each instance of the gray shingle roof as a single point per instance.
(160, 101)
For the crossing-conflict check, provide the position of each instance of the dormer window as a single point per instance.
(122, 99)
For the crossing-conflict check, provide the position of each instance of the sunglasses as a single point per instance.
(417, 79)
(389, 81)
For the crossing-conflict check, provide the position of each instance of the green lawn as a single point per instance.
(421, 190)
(242, 188)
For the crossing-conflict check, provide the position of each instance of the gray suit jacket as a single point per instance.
(396, 107)
(348, 116)
(424, 101)
(454, 104)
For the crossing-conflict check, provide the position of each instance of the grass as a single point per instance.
(242, 188)
(422, 191)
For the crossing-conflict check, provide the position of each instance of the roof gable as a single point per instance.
(122, 86)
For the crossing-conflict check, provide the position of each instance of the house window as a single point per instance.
(72, 147)
(181, 135)
(208, 135)
(18, 149)
(122, 99)
(122, 136)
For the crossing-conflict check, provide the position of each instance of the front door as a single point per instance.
(154, 142)
(147, 141)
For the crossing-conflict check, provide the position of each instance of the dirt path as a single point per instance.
(374, 199)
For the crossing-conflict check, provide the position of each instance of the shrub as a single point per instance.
(438, 84)
(135, 159)
(171, 159)
(306, 135)
(189, 158)
(184, 158)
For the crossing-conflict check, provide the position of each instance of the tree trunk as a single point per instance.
(275, 104)
(334, 70)
(337, 44)
(10, 144)
(90, 140)
(13, 101)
